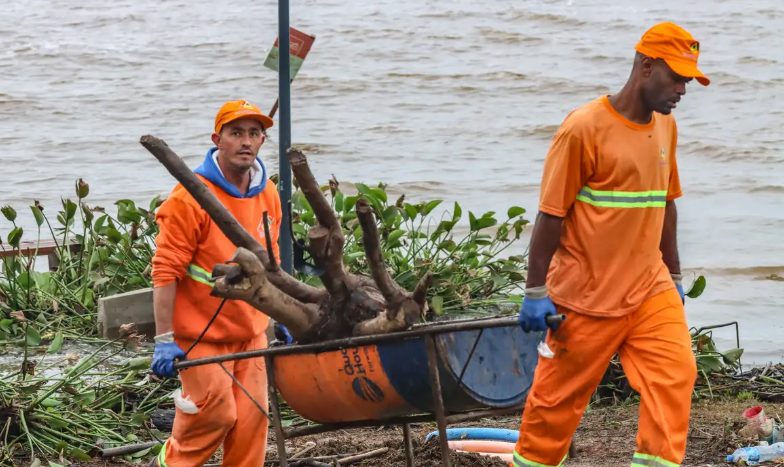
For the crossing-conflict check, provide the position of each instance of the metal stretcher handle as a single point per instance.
(553, 321)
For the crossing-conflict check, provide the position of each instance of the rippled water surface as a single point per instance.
(449, 99)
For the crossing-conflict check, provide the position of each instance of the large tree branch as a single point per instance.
(247, 281)
(225, 221)
(312, 191)
(327, 249)
(392, 292)
(326, 239)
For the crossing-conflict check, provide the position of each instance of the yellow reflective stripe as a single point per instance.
(647, 460)
(520, 461)
(199, 274)
(623, 199)
(162, 454)
(628, 194)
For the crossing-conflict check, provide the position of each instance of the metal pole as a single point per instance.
(280, 434)
(438, 401)
(284, 96)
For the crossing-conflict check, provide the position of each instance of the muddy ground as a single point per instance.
(605, 438)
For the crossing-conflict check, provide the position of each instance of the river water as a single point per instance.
(441, 99)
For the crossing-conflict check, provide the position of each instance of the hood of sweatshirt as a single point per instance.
(210, 170)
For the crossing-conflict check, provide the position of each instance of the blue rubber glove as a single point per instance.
(536, 305)
(166, 351)
(282, 334)
(678, 279)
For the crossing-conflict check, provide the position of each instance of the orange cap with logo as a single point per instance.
(240, 109)
(676, 46)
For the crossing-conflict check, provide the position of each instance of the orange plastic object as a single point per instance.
(481, 445)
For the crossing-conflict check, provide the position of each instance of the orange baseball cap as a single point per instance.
(238, 109)
(676, 46)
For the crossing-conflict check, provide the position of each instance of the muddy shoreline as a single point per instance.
(605, 437)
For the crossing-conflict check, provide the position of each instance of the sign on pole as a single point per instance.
(300, 46)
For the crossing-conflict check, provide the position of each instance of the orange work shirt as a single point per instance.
(609, 178)
(190, 244)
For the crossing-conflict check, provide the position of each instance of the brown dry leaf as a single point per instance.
(72, 358)
(129, 328)
(19, 315)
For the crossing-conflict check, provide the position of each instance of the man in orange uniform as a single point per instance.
(604, 253)
(188, 246)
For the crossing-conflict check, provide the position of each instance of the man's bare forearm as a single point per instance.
(669, 239)
(163, 306)
(545, 240)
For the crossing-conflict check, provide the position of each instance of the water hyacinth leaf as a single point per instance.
(49, 402)
(709, 363)
(339, 201)
(57, 343)
(9, 213)
(732, 356)
(15, 236)
(431, 205)
(41, 318)
(485, 222)
(380, 194)
(373, 200)
(38, 215)
(139, 418)
(154, 203)
(25, 280)
(56, 423)
(390, 214)
(457, 213)
(362, 188)
(113, 235)
(82, 189)
(79, 454)
(32, 336)
(437, 304)
(515, 211)
(69, 209)
(411, 210)
(349, 203)
(141, 453)
(128, 214)
(98, 226)
(448, 245)
(697, 288)
(139, 363)
(395, 235)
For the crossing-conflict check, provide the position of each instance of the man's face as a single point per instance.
(239, 142)
(663, 87)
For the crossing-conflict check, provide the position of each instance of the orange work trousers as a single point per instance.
(655, 349)
(226, 414)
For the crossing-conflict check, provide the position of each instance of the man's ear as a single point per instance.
(216, 139)
(646, 66)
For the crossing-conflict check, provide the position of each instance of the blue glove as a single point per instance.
(166, 351)
(536, 305)
(678, 278)
(282, 334)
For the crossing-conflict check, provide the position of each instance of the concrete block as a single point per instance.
(130, 307)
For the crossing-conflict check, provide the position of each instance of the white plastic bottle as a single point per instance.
(756, 454)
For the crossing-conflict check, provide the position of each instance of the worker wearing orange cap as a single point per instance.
(604, 253)
(188, 246)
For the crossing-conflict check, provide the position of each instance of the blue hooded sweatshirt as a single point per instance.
(210, 170)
